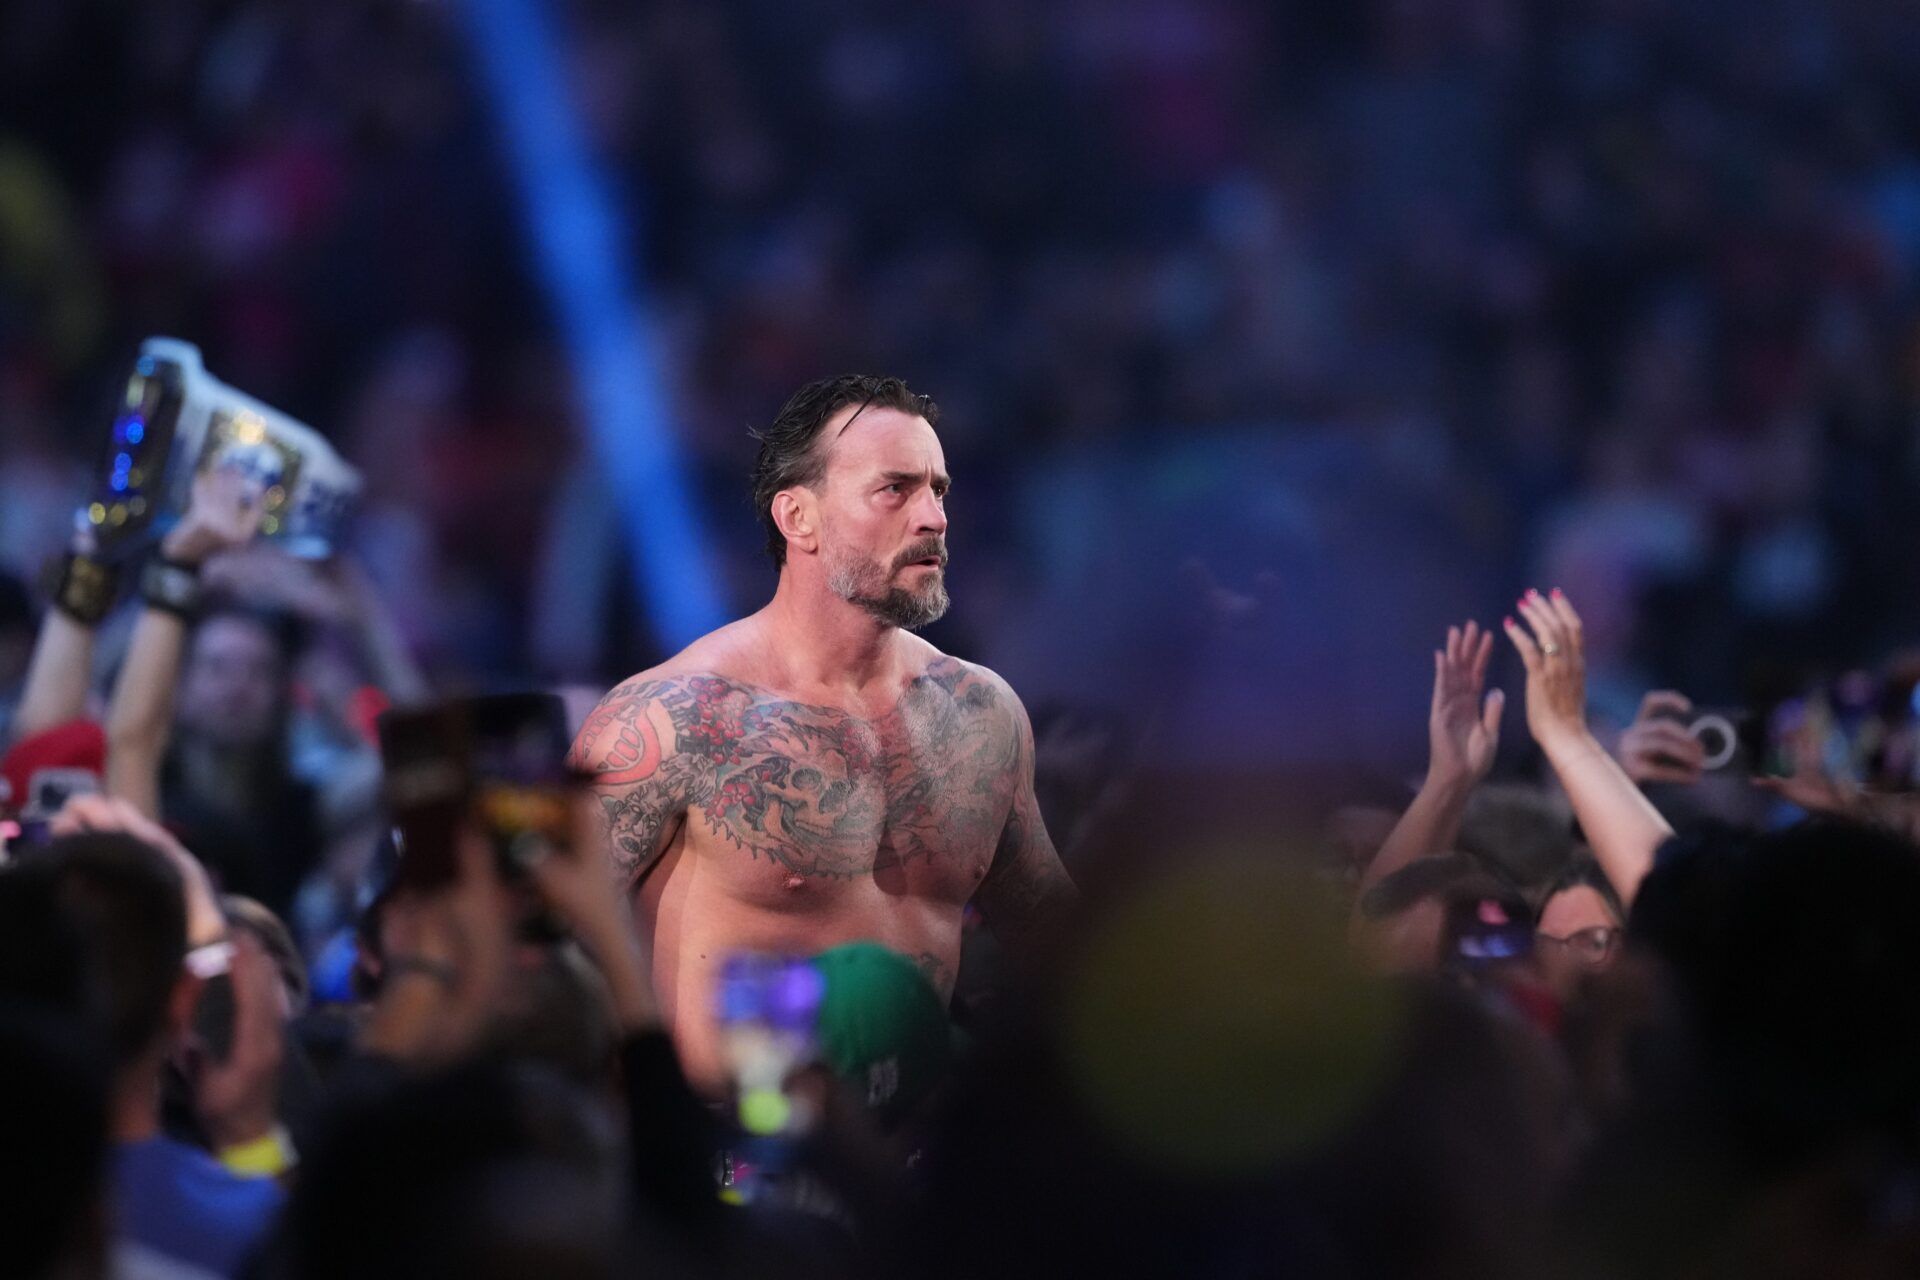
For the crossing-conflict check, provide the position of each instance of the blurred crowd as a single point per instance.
(1556, 1023)
(1629, 286)
(1634, 279)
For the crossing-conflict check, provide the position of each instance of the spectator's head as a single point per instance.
(274, 936)
(233, 688)
(1796, 952)
(850, 480)
(53, 1162)
(123, 904)
(491, 1170)
(1580, 925)
(1523, 834)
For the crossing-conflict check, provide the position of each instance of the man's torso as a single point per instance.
(806, 825)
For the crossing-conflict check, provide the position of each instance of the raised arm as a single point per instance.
(223, 514)
(1027, 893)
(1620, 823)
(61, 668)
(629, 751)
(1463, 733)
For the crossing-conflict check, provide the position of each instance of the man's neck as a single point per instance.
(826, 643)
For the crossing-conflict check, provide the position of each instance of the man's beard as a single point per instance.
(863, 582)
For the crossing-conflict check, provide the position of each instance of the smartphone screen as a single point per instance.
(768, 1008)
(523, 790)
(497, 762)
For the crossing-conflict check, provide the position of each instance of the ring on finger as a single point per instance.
(1549, 648)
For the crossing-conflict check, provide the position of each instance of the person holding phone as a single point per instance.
(815, 774)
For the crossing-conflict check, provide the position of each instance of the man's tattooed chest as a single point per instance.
(819, 792)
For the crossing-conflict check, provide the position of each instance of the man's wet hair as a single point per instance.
(790, 450)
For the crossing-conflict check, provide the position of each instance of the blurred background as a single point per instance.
(1340, 322)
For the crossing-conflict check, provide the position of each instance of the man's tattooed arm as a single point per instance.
(645, 783)
(1027, 894)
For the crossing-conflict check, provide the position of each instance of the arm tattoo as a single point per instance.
(643, 791)
(1027, 893)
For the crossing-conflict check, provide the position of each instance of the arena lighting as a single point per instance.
(577, 233)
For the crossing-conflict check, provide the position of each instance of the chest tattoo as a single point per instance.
(820, 792)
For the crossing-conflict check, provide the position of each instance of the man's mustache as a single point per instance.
(922, 551)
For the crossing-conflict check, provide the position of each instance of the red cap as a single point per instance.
(77, 744)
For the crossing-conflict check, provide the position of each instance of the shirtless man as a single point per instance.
(814, 774)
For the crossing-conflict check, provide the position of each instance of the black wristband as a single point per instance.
(82, 587)
(171, 586)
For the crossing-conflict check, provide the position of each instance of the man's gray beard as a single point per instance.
(863, 583)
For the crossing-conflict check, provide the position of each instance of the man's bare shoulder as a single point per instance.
(621, 742)
(971, 685)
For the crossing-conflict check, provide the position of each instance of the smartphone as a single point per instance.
(1482, 931)
(768, 1008)
(1732, 739)
(523, 792)
(49, 790)
(1735, 740)
(497, 762)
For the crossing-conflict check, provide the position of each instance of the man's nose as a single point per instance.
(930, 516)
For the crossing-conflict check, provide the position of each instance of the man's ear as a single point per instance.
(797, 516)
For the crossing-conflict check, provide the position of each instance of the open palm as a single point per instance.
(1463, 728)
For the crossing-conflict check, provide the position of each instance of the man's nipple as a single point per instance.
(795, 881)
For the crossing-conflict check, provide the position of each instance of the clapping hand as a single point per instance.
(1551, 647)
(1463, 727)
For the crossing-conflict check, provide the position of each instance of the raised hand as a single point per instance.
(1463, 732)
(84, 813)
(1621, 825)
(582, 886)
(1810, 786)
(447, 956)
(1656, 747)
(1463, 727)
(223, 514)
(236, 1098)
(1551, 648)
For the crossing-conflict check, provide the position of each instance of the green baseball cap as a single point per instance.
(883, 1028)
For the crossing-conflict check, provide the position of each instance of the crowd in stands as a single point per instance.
(1533, 1028)
(1636, 279)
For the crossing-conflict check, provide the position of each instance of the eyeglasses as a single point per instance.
(1594, 946)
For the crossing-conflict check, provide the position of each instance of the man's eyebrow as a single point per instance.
(903, 477)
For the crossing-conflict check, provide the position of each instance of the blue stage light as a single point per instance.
(577, 235)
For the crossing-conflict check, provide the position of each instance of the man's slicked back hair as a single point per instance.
(791, 451)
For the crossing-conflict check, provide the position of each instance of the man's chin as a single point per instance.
(910, 610)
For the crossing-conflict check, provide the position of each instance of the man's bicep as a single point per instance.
(626, 749)
(642, 816)
(1027, 891)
